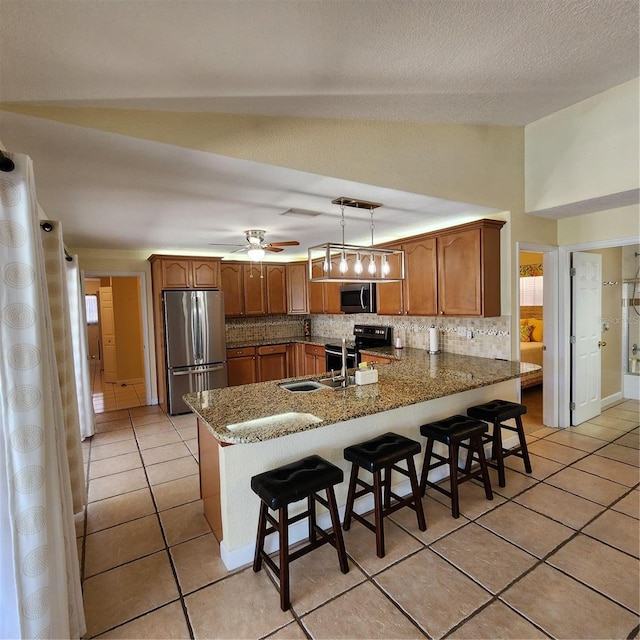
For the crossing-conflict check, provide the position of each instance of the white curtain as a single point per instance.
(39, 574)
(77, 314)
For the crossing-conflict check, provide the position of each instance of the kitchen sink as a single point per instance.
(302, 386)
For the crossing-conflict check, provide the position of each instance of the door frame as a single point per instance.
(550, 374)
(564, 326)
(144, 319)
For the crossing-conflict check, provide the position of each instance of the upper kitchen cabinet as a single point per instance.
(297, 287)
(231, 279)
(451, 272)
(276, 285)
(324, 297)
(254, 298)
(181, 272)
(469, 270)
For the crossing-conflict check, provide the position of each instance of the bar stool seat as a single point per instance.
(454, 431)
(376, 456)
(496, 412)
(280, 487)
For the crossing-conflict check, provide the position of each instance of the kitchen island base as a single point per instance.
(232, 509)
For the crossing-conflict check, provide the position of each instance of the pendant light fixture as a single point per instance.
(349, 258)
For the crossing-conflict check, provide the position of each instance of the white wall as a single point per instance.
(588, 150)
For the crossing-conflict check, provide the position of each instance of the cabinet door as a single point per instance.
(206, 273)
(370, 358)
(175, 274)
(241, 366)
(276, 288)
(231, 284)
(253, 290)
(390, 296)
(297, 279)
(316, 289)
(420, 288)
(272, 362)
(459, 271)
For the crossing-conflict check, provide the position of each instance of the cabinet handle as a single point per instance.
(442, 313)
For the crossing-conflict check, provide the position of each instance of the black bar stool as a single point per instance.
(279, 488)
(377, 455)
(496, 412)
(453, 432)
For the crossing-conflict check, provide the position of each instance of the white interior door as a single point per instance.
(586, 322)
(108, 335)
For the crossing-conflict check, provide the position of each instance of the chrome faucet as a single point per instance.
(343, 369)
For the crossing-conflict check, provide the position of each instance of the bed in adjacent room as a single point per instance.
(531, 345)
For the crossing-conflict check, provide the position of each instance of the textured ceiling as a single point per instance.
(506, 62)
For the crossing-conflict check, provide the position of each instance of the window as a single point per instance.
(91, 307)
(531, 291)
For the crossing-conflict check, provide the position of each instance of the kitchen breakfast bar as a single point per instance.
(248, 429)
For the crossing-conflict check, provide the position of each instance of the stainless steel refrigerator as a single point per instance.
(195, 347)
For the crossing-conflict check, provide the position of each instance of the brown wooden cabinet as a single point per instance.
(182, 272)
(314, 359)
(231, 279)
(272, 362)
(369, 358)
(252, 289)
(241, 365)
(324, 297)
(297, 287)
(451, 272)
(276, 288)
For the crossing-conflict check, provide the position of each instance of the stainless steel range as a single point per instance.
(364, 335)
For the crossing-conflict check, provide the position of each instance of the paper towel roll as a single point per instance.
(433, 340)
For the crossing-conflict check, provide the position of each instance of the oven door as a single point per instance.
(333, 357)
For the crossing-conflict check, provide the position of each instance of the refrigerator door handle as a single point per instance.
(196, 327)
(197, 371)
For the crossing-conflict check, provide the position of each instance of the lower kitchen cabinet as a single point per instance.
(371, 359)
(314, 359)
(241, 366)
(272, 362)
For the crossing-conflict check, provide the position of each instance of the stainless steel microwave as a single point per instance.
(358, 298)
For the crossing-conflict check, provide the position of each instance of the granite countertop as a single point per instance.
(415, 377)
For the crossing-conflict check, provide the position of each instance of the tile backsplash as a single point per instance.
(490, 336)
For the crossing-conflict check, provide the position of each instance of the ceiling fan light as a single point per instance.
(255, 254)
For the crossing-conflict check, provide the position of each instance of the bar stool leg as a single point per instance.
(337, 530)
(453, 477)
(417, 497)
(348, 510)
(262, 526)
(425, 466)
(311, 508)
(476, 442)
(523, 444)
(498, 452)
(283, 534)
(377, 499)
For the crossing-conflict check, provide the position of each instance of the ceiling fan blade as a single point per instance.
(225, 244)
(286, 243)
(270, 248)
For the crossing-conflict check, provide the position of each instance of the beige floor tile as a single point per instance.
(292, 631)
(497, 621)
(363, 612)
(440, 596)
(109, 466)
(515, 482)
(472, 500)
(488, 559)
(438, 516)
(565, 615)
(177, 492)
(627, 455)
(114, 425)
(596, 431)
(149, 410)
(156, 418)
(185, 420)
(128, 591)
(588, 486)
(103, 439)
(193, 447)
(198, 563)
(159, 439)
(630, 505)
(609, 469)
(167, 622)
(559, 505)
(623, 414)
(122, 543)
(631, 439)
(164, 453)
(617, 530)
(119, 509)
(541, 468)
(556, 452)
(121, 447)
(570, 438)
(361, 544)
(188, 433)
(612, 422)
(153, 428)
(171, 470)
(213, 610)
(629, 405)
(101, 488)
(183, 523)
(543, 432)
(111, 416)
(607, 570)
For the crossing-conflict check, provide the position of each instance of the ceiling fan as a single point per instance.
(256, 246)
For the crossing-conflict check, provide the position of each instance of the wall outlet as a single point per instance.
(469, 334)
